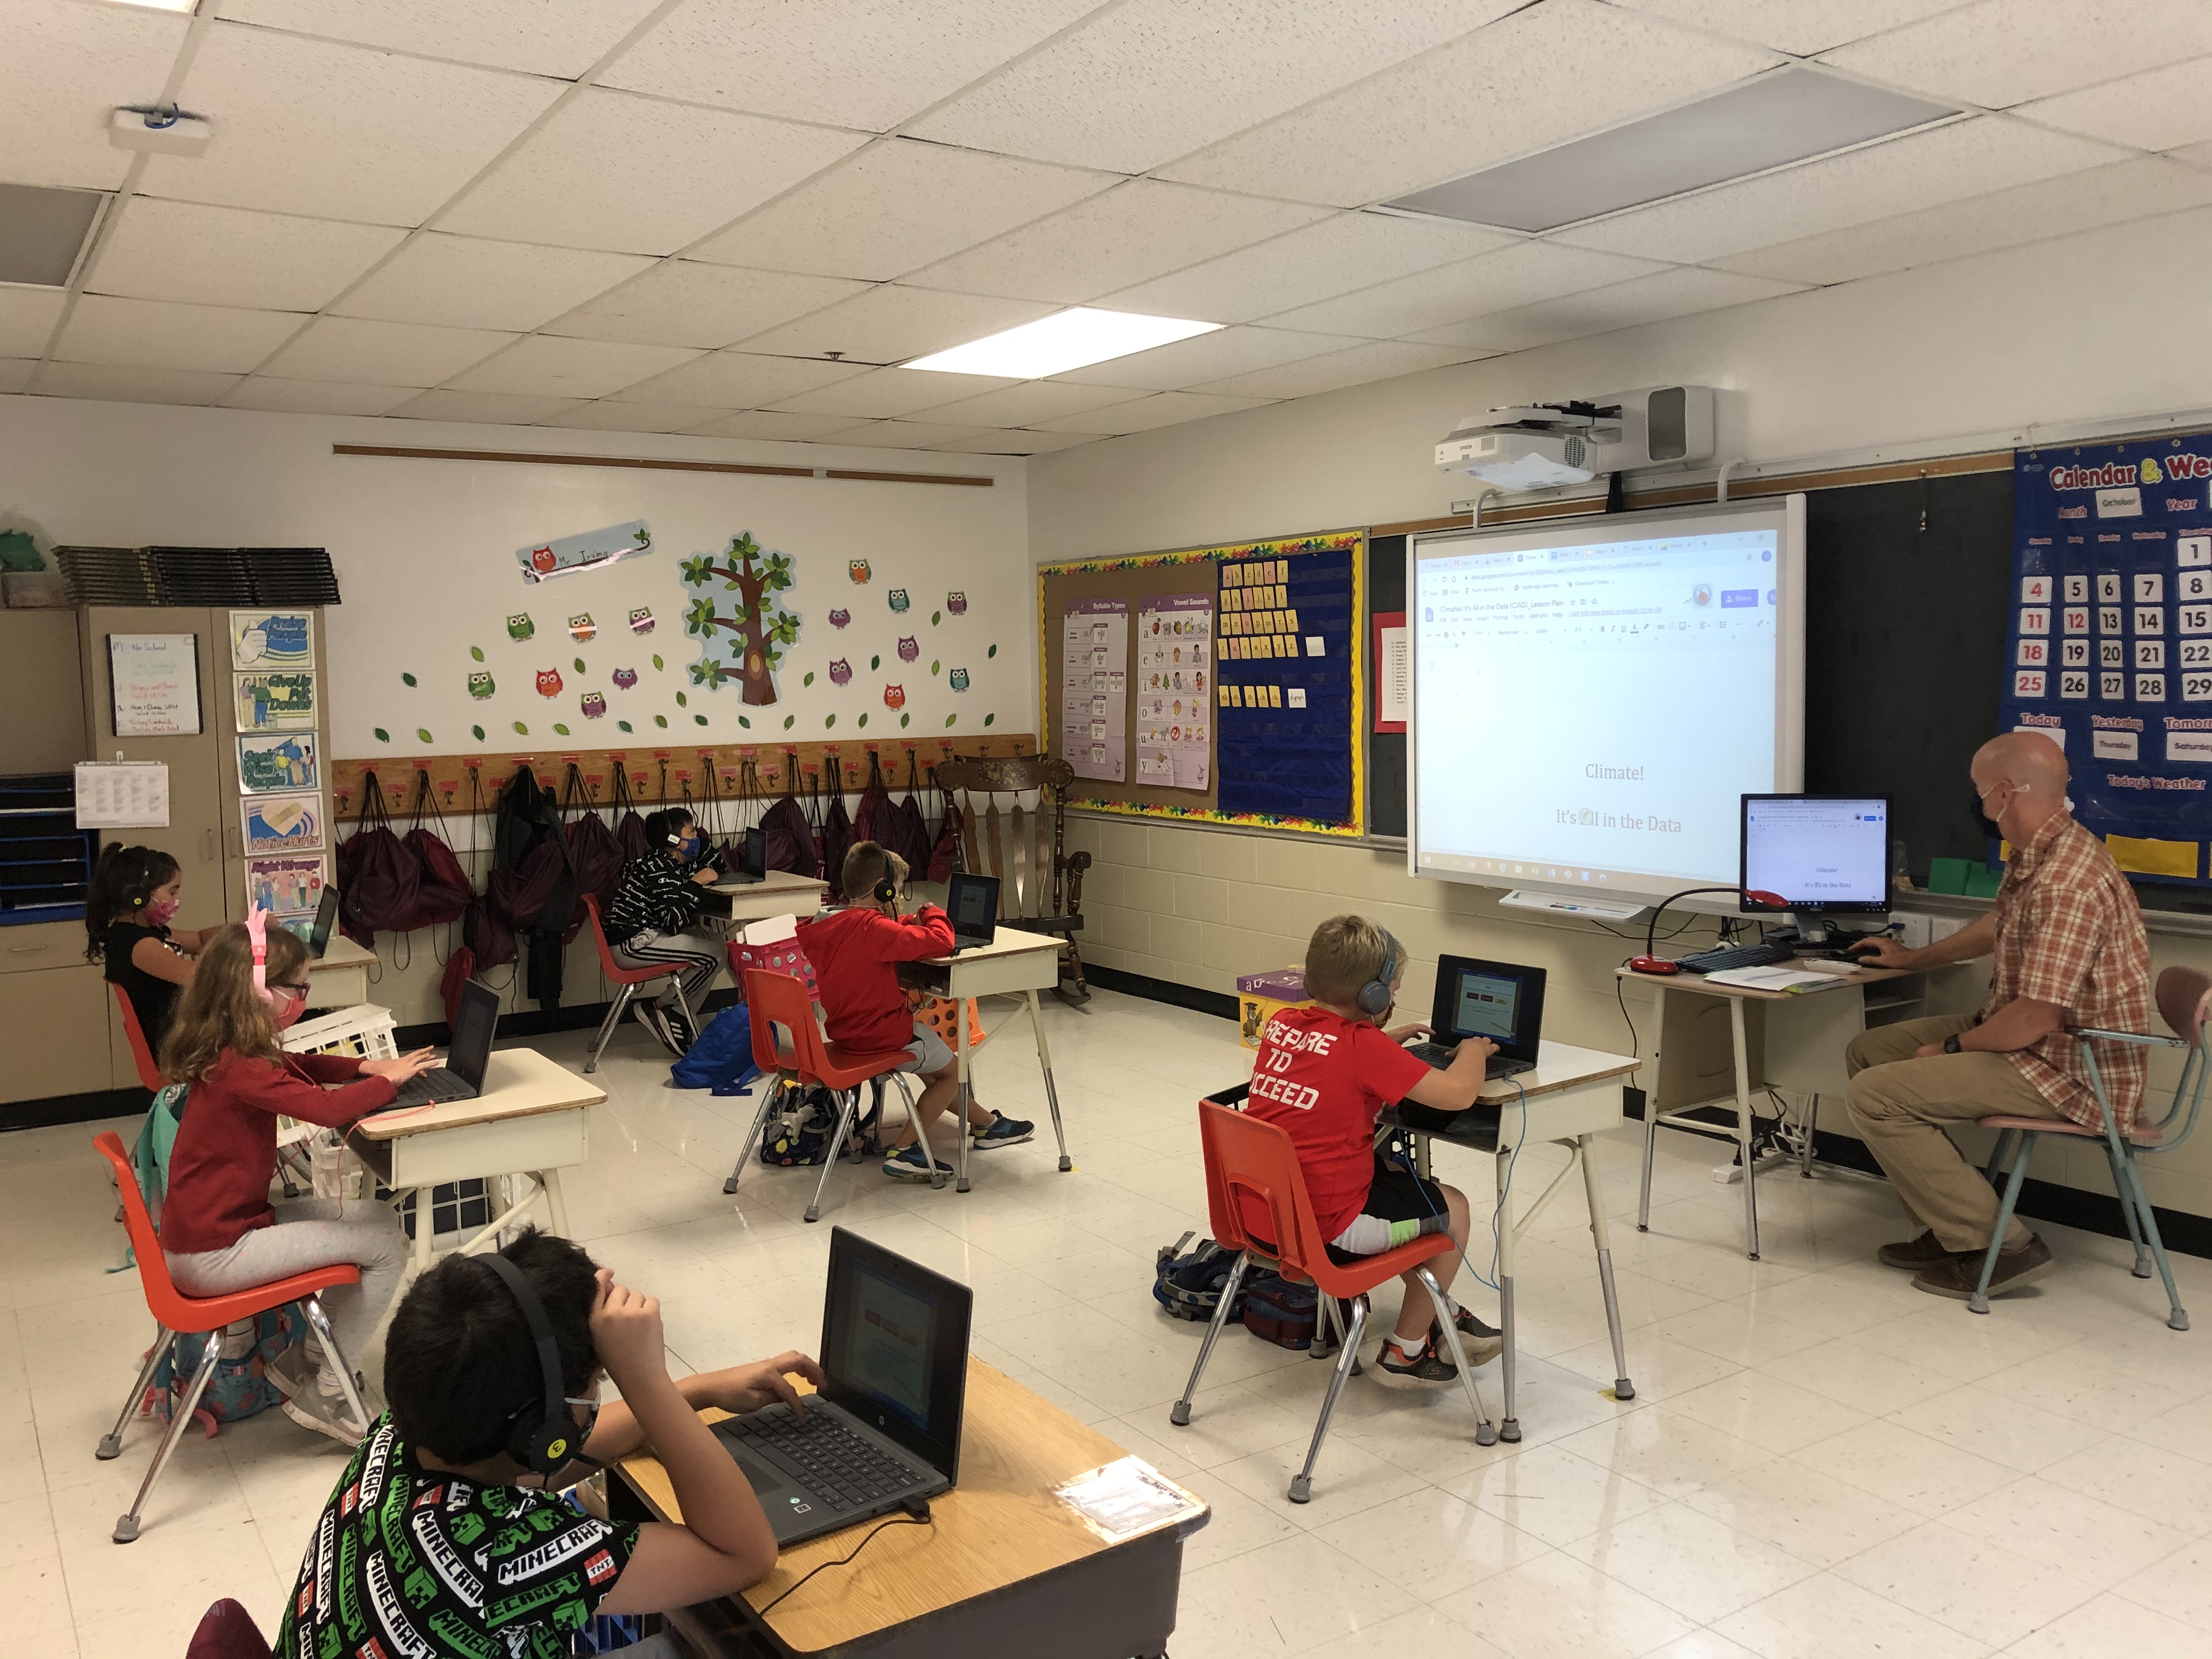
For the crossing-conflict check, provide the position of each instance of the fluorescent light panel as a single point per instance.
(1787, 115)
(1065, 340)
(162, 5)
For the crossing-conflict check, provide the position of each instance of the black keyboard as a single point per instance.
(431, 1087)
(845, 1471)
(1440, 1055)
(1738, 955)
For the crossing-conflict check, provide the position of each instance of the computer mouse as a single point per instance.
(1653, 965)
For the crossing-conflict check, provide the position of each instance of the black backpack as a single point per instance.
(1189, 1284)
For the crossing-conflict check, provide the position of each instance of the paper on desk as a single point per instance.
(1796, 980)
(1125, 1497)
(773, 931)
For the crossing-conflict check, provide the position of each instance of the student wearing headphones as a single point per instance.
(650, 921)
(1324, 1075)
(447, 1534)
(856, 951)
(133, 897)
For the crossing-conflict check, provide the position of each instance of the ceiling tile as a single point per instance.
(2160, 109)
(561, 38)
(612, 170)
(1520, 275)
(1015, 443)
(27, 316)
(738, 380)
(1376, 359)
(15, 374)
(461, 282)
(1134, 232)
(64, 67)
(161, 250)
(2005, 218)
(868, 63)
(1551, 72)
(895, 206)
(544, 366)
(1968, 158)
(684, 302)
(156, 334)
(606, 416)
(1029, 401)
(115, 383)
(902, 435)
(1800, 27)
(1161, 409)
(1678, 293)
(2002, 52)
(340, 133)
(886, 393)
(357, 351)
(768, 423)
(495, 407)
(2196, 155)
(1207, 357)
(890, 323)
(314, 397)
(1345, 251)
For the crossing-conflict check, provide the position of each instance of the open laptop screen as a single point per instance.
(895, 1347)
(1485, 1005)
(972, 901)
(1499, 1000)
(473, 1033)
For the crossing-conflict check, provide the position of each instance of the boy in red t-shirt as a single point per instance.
(1324, 1075)
(856, 951)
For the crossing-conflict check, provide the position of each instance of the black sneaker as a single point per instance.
(1425, 1369)
(1480, 1343)
(682, 1034)
(909, 1165)
(1001, 1131)
(649, 1016)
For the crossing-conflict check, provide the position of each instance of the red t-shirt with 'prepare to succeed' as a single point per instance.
(1324, 1079)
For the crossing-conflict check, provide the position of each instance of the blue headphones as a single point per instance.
(1374, 997)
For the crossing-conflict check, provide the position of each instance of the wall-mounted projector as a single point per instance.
(1553, 446)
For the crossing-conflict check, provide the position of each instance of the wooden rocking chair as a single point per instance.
(1040, 883)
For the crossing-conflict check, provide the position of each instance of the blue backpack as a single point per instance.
(722, 1057)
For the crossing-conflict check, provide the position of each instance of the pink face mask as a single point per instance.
(161, 911)
(284, 1013)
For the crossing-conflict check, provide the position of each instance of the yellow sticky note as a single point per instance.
(1274, 696)
(2153, 858)
(1291, 621)
(1224, 694)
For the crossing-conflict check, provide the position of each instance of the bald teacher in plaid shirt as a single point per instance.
(2068, 940)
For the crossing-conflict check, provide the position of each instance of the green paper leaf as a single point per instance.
(863, 720)
(936, 617)
(933, 667)
(682, 701)
(745, 723)
(521, 730)
(580, 669)
(987, 718)
(383, 736)
(475, 652)
(948, 719)
(560, 729)
(875, 663)
(700, 719)
(809, 680)
(625, 726)
(787, 720)
(660, 719)
(993, 652)
(656, 660)
(478, 730)
(422, 732)
(905, 718)
(829, 720)
(407, 679)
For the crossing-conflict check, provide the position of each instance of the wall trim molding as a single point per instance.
(651, 463)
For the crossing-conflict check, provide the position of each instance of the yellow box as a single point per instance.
(1254, 1011)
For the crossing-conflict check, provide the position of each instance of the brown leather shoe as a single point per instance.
(2015, 1270)
(1915, 1255)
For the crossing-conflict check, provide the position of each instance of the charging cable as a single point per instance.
(917, 1515)
(1498, 1215)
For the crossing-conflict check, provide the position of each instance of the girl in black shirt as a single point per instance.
(126, 922)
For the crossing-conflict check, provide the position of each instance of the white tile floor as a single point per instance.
(1820, 1461)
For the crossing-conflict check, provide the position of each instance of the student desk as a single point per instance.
(778, 893)
(1005, 1568)
(1573, 1094)
(1012, 961)
(529, 1120)
(339, 977)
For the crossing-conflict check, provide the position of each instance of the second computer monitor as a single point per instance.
(1820, 855)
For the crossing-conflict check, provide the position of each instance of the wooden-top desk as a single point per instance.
(339, 977)
(1005, 1567)
(1014, 961)
(530, 1120)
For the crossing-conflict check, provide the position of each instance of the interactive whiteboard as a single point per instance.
(1592, 697)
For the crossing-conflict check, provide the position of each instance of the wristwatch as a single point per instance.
(1951, 1045)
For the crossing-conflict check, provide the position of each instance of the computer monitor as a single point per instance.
(1820, 855)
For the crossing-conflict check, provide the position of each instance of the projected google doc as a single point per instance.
(1590, 711)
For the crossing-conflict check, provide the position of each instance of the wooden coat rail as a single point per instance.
(687, 766)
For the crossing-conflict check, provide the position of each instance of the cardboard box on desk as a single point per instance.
(1261, 997)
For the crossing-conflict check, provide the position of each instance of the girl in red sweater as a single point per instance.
(219, 1232)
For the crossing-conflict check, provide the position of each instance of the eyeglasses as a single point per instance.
(295, 990)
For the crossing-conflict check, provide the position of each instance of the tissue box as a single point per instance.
(1261, 997)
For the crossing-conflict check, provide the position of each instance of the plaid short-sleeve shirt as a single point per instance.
(2070, 933)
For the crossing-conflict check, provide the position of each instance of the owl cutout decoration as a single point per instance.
(549, 682)
(595, 704)
(957, 603)
(640, 620)
(898, 599)
(908, 649)
(481, 686)
(857, 569)
(582, 627)
(959, 678)
(839, 618)
(895, 696)
(841, 672)
(520, 627)
(625, 678)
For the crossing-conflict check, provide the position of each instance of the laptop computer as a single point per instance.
(972, 901)
(326, 917)
(885, 1431)
(461, 1077)
(752, 858)
(1493, 1000)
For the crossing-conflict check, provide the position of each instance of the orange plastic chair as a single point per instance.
(1246, 1157)
(150, 1074)
(779, 1000)
(175, 1312)
(629, 979)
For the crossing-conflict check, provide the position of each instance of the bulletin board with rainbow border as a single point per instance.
(1285, 700)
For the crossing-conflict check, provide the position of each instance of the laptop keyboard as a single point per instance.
(429, 1088)
(1440, 1055)
(846, 1471)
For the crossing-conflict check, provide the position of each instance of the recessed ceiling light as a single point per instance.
(1068, 339)
(162, 5)
(1788, 115)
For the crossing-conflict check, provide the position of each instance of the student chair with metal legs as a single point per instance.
(2185, 1002)
(141, 1052)
(176, 1314)
(628, 979)
(1248, 1159)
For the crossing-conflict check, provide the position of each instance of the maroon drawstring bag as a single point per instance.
(443, 888)
(907, 832)
(629, 827)
(790, 837)
(872, 821)
(382, 884)
(593, 852)
(837, 823)
(945, 853)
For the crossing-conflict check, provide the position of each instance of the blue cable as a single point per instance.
(1496, 1216)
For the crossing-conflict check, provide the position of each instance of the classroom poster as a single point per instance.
(273, 639)
(1286, 691)
(2109, 641)
(154, 682)
(281, 823)
(594, 549)
(122, 794)
(1175, 695)
(274, 703)
(280, 760)
(1094, 688)
(287, 886)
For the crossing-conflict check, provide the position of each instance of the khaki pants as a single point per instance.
(1900, 1106)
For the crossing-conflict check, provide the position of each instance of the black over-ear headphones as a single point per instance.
(544, 1436)
(1374, 997)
